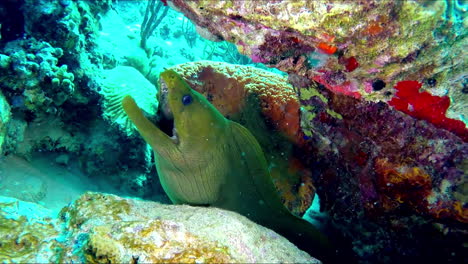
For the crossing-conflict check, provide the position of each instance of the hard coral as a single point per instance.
(391, 40)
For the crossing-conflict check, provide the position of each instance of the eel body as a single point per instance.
(213, 161)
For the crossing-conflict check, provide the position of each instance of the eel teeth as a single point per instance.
(175, 137)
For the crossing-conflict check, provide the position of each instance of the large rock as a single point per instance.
(350, 47)
(102, 228)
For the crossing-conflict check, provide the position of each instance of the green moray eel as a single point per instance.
(217, 162)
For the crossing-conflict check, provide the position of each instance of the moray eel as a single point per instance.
(213, 161)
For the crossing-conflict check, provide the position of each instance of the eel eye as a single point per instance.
(186, 99)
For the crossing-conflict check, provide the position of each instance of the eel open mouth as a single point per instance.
(166, 121)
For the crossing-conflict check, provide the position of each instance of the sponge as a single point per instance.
(119, 82)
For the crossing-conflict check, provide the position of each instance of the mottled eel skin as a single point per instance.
(217, 162)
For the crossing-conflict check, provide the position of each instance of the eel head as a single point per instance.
(189, 118)
(193, 116)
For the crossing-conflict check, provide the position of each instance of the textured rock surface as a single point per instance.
(28, 233)
(383, 173)
(101, 228)
(347, 46)
(5, 116)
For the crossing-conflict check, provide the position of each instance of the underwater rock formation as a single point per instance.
(360, 49)
(102, 228)
(382, 172)
(5, 116)
(29, 233)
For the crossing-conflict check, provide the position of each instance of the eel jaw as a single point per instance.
(166, 123)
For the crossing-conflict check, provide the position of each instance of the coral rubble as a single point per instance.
(102, 228)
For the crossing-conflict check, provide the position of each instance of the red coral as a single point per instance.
(425, 106)
(350, 63)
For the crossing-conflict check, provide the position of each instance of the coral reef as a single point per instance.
(40, 84)
(347, 46)
(386, 173)
(266, 104)
(50, 73)
(102, 228)
(374, 122)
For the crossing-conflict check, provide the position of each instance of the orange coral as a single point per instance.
(326, 48)
(376, 27)
(412, 186)
(296, 196)
(453, 210)
(230, 99)
(401, 184)
(284, 114)
(373, 29)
